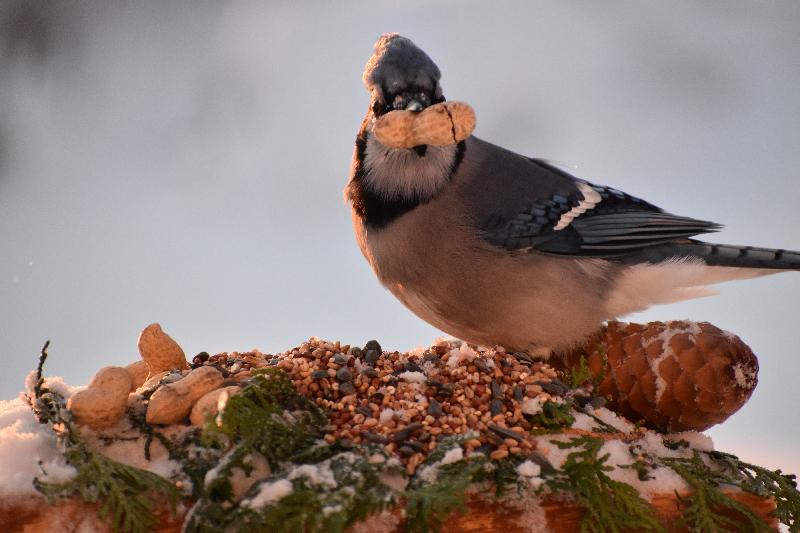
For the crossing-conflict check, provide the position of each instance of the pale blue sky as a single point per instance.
(183, 164)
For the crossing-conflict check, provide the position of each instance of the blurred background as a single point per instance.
(183, 163)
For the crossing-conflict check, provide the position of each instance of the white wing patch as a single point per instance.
(590, 199)
(643, 285)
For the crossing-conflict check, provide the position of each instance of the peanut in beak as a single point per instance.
(441, 124)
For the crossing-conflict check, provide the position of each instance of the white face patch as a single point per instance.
(590, 199)
(398, 173)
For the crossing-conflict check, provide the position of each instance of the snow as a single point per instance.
(331, 509)
(23, 443)
(452, 456)
(622, 454)
(584, 422)
(696, 440)
(524, 510)
(242, 479)
(529, 469)
(213, 473)
(529, 472)
(131, 452)
(413, 377)
(531, 406)
(269, 493)
(653, 444)
(428, 473)
(459, 354)
(54, 383)
(746, 376)
(386, 415)
(320, 474)
(661, 480)
(666, 351)
(376, 459)
(617, 451)
(553, 453)
(612, 419)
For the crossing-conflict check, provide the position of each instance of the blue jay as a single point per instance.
(497, 248)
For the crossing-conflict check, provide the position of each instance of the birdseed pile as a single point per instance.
(409, 402)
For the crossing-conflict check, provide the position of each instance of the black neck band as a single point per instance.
(376, 211)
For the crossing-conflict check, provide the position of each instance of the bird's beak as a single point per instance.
(414, 105)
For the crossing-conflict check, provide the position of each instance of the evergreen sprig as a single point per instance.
(267, 418)
(611, 506)
(123, 492)
(428, 505)
(270, 417)
(357, 494)
(554, 415)
(782, 488)
(504, 475)
(706, 509)
(580, 374)
(602, 427)
(598, 379)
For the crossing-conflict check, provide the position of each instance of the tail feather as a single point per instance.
(724, 255)
(683, 270)
(747, 256)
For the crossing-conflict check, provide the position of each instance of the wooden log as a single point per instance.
(564, 516)
(32, 514)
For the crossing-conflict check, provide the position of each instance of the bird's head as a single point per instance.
(399, 75)
(386, 182)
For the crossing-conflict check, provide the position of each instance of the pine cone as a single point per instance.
(673, 376)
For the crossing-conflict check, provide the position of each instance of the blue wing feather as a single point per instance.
(618, 224)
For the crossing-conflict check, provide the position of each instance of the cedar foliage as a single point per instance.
(611, 506)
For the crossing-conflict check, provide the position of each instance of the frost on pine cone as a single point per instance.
(671, 376)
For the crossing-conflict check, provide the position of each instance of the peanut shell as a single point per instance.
(139, 372)
(172, 403)
(160, 351)
(102, 403)
(209, 404)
